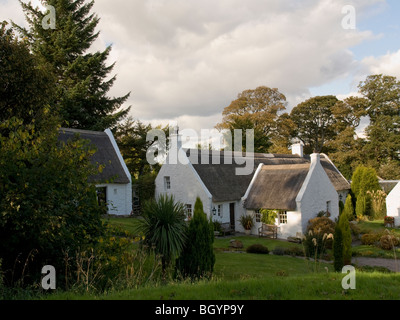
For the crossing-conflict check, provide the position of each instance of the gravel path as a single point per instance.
(390, 264)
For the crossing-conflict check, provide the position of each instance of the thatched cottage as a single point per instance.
(114, 183)
(298, 187)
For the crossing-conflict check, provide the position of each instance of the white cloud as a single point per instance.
(388, 64)
(186, 60)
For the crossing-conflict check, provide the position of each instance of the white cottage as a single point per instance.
(299, 187)
(114, 183)
(393, 204)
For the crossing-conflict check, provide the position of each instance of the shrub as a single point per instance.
(338, 260)
(217, 226)
(164, 227)
(197, 258)
(294, 251)
(257, 248)
(388, 241)
(344, 225)
(317, 238)
(247, 221)
(278, 251)
(369, 238)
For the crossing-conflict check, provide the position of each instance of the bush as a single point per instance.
(278, 251)
(197, 258)
(369, 238)
(247, 221)
(338, 259)
(294, 251)
(319, 236)
(388, 241)
(257, 248)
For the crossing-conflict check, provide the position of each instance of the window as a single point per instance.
(282, 217)
(167, 183)
(258, 215)
(188, 210)
(219, 210)
(328, 207)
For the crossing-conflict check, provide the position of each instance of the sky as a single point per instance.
(184, 61)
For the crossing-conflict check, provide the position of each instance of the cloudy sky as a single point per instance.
(184, 61)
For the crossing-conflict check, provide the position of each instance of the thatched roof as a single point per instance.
(224, 185)
(106, 155)
(277, 187)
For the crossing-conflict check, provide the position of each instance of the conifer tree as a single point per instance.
(81, 76)
(197, 258)
(344, 225)
(338, 261)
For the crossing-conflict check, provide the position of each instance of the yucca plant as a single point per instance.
(163, 227)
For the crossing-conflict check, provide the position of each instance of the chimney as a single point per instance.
(315, 158)
(175, 138)
(297, 148)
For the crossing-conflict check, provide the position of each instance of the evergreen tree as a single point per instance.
(344, 226)
(26, 87)
(80, 75)
(348, 209)
(197, 259)
(338, 261)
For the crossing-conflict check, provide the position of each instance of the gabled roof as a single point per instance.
(106, 155)
(220, 179)
(276, 187)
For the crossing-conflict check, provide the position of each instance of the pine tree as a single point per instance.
(197, 258)
(81, 76)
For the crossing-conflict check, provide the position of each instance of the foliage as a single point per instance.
(246, 221)
(47, 205)
(378, 203)
(197, 258)
(254, 109)
(268, 216)
(370, 238)
(318, 236)
(348, 209)
(338, 259)
(344, 226)
(364, 181)
(257, 248)
(314, 122)
(82, 77)
(388, 241)
(164, 228)
(382, 93)
(26, 85)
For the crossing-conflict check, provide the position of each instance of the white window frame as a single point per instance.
(167, 182)
(257, 214)
(189, 210)
(282, 217)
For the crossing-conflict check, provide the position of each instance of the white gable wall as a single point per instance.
(119, 198)
(393, 204)
(315, 193)
(185, 184)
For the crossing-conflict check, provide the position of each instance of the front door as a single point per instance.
(232, 215)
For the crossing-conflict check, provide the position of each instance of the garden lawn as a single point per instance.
(241, 276)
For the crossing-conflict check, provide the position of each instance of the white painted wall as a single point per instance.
(314, 194)
(186, 186)
(119, 198)
(393, 204)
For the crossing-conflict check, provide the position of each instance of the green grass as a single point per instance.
(127, 224)
(241, 276)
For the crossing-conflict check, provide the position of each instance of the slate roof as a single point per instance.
(106, 155)
(224, 185)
